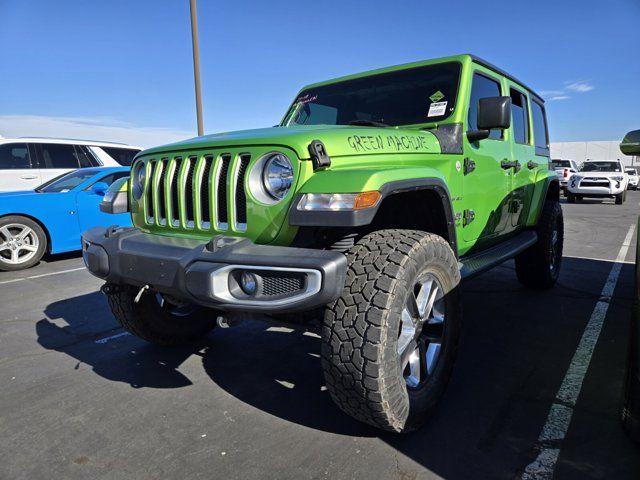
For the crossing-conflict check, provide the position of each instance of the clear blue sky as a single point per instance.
(128, 63)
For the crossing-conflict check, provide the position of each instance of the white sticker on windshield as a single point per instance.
(437, 109)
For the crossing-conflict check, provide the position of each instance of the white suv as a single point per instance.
(599, 179)
(633, 178)
(26, 163)
(564, 170)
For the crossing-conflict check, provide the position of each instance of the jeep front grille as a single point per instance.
(197, 192)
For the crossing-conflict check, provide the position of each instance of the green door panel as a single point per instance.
(486, 191)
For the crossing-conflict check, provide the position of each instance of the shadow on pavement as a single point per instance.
(516, 346)
(72, 326)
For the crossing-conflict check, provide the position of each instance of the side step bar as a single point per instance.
(483, 261)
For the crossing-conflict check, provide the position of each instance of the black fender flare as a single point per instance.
(358, 218)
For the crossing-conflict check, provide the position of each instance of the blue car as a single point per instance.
(51, 218)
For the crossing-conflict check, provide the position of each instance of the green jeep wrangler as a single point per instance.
(365, 208)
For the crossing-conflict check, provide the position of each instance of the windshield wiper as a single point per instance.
(368, 123)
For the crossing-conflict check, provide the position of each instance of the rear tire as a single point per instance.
(22, 243)
(156, 320)
(386, 360)
(538, 266)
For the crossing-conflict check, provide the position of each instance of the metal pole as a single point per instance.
(196, 64)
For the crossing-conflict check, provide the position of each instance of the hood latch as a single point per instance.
(319, 155)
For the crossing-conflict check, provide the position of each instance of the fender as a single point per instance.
(541, 187)
(387, 182)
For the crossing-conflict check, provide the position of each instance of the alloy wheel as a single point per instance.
(18, 243)
(421, 335)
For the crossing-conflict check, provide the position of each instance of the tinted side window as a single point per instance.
(14, 156)
(85, 158)
(519, 117)
(483, 87)
(540, 136)
(55, 155)
(112, 177)
(124, 156)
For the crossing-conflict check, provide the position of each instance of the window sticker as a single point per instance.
(306, 98)
(437, 109)
(436, 97)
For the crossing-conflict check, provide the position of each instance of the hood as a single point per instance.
(339, 140)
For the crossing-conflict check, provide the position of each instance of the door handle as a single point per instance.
(531, 165)
(28, 177)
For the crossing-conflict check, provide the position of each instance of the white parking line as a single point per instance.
(102, 341)
(597, 259)
(557, 424)
(41, 275)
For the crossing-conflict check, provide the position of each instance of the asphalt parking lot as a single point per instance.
(82, 399)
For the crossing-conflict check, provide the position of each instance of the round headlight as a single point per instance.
(277, 175)
(139, 177)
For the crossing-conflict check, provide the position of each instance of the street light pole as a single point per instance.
(196, 64)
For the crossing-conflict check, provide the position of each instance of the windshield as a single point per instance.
(65, 182)
(601, 167)
(630, 171)
(405, 97)
(561, 163)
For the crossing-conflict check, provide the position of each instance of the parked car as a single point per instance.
(564, 169)
(52, 217)
(26, 163)
(631, 393)
(362, 211)
(599, 179)
(632, 173)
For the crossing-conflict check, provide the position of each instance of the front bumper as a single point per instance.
(287, 279)
(605, 190)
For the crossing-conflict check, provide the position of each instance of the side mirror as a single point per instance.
(631, 143)
(493, 112)
(99, 188)
(116, 200)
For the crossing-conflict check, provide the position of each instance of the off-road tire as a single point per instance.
(533, 266)
(360, 329)
(579, 198)
(571, 197)
(621, 197)
(149, 321)
(42, 242)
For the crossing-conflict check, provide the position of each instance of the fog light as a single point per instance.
(248, 283)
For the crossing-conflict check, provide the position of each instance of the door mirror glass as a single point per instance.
(631, 143)
(99, 188)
